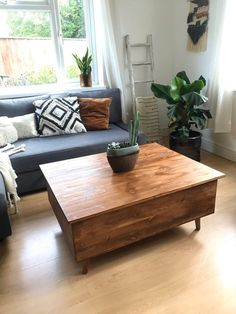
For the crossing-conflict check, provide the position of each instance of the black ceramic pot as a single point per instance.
(123, 163)
(123, 159)
(190, 148)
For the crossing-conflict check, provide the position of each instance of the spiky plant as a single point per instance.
(84, 63)
(133, 129)
(133, 134)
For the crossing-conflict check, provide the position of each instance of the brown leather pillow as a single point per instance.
(94, 112)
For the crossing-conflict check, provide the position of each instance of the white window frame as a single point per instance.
(51, 6)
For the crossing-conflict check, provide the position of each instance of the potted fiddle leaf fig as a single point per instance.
(84, 65)
(186, 109)
(122, 156)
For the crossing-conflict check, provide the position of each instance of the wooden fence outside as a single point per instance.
(21, 55)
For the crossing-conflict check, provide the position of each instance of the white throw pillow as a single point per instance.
(25, 125)
(58, 116)
(8, 133)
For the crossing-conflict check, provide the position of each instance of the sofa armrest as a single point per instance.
(5, 226)
(141, 136)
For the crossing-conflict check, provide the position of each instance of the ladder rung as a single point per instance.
(141, 63)
(148, 81)
(140, 45)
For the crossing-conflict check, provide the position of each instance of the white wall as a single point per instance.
(139, 18)
(197, 64)
(166, 21)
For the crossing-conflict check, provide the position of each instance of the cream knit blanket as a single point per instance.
(9, 174)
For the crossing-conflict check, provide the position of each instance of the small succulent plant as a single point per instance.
(118, 145)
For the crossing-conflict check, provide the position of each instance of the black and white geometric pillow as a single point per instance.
(58, 116)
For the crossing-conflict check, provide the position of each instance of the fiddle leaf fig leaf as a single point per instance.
(163, 92)
(202, 79)
(194, 99)
(207, 113)
(183, 76)
(171, 112)
(197, 86)
(175, 88)
(199, 122)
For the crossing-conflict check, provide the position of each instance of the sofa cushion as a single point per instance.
(40, 150)
(25, 125)
(114, 93)
(58, 116)
(94, 112)
(18, 106)
(8, 133)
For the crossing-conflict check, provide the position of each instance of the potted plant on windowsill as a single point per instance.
(84, 65)
(123, 156)
(186, 109)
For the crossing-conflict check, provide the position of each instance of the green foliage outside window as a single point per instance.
(45, 75)
(37, 24)
(72, 19)
(72, 71)
(28, 24)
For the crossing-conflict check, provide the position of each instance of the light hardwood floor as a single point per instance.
(178, 271)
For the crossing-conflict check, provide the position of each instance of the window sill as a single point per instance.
(44, 89)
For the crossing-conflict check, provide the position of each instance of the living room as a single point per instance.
(180, 270)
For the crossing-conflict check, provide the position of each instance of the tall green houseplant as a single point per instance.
(185, 103)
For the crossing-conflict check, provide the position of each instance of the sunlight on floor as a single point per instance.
(226, 261)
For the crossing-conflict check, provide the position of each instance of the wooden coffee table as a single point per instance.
(100, 211)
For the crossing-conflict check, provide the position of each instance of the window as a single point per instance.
(38, 37)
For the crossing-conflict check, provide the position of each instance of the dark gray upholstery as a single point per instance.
(23, 105)
(18, 106)
(40, 150)
(30, 181)
(5, 227)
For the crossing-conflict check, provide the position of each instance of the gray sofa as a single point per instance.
(40, 150)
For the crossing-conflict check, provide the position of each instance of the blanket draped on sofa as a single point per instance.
(9, 177)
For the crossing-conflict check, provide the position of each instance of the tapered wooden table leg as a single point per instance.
(85, 265)
(198, 224)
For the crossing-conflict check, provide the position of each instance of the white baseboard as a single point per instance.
(218, 149)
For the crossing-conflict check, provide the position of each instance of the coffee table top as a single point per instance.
(87, 186)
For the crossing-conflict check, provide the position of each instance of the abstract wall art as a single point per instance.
(198, 25)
